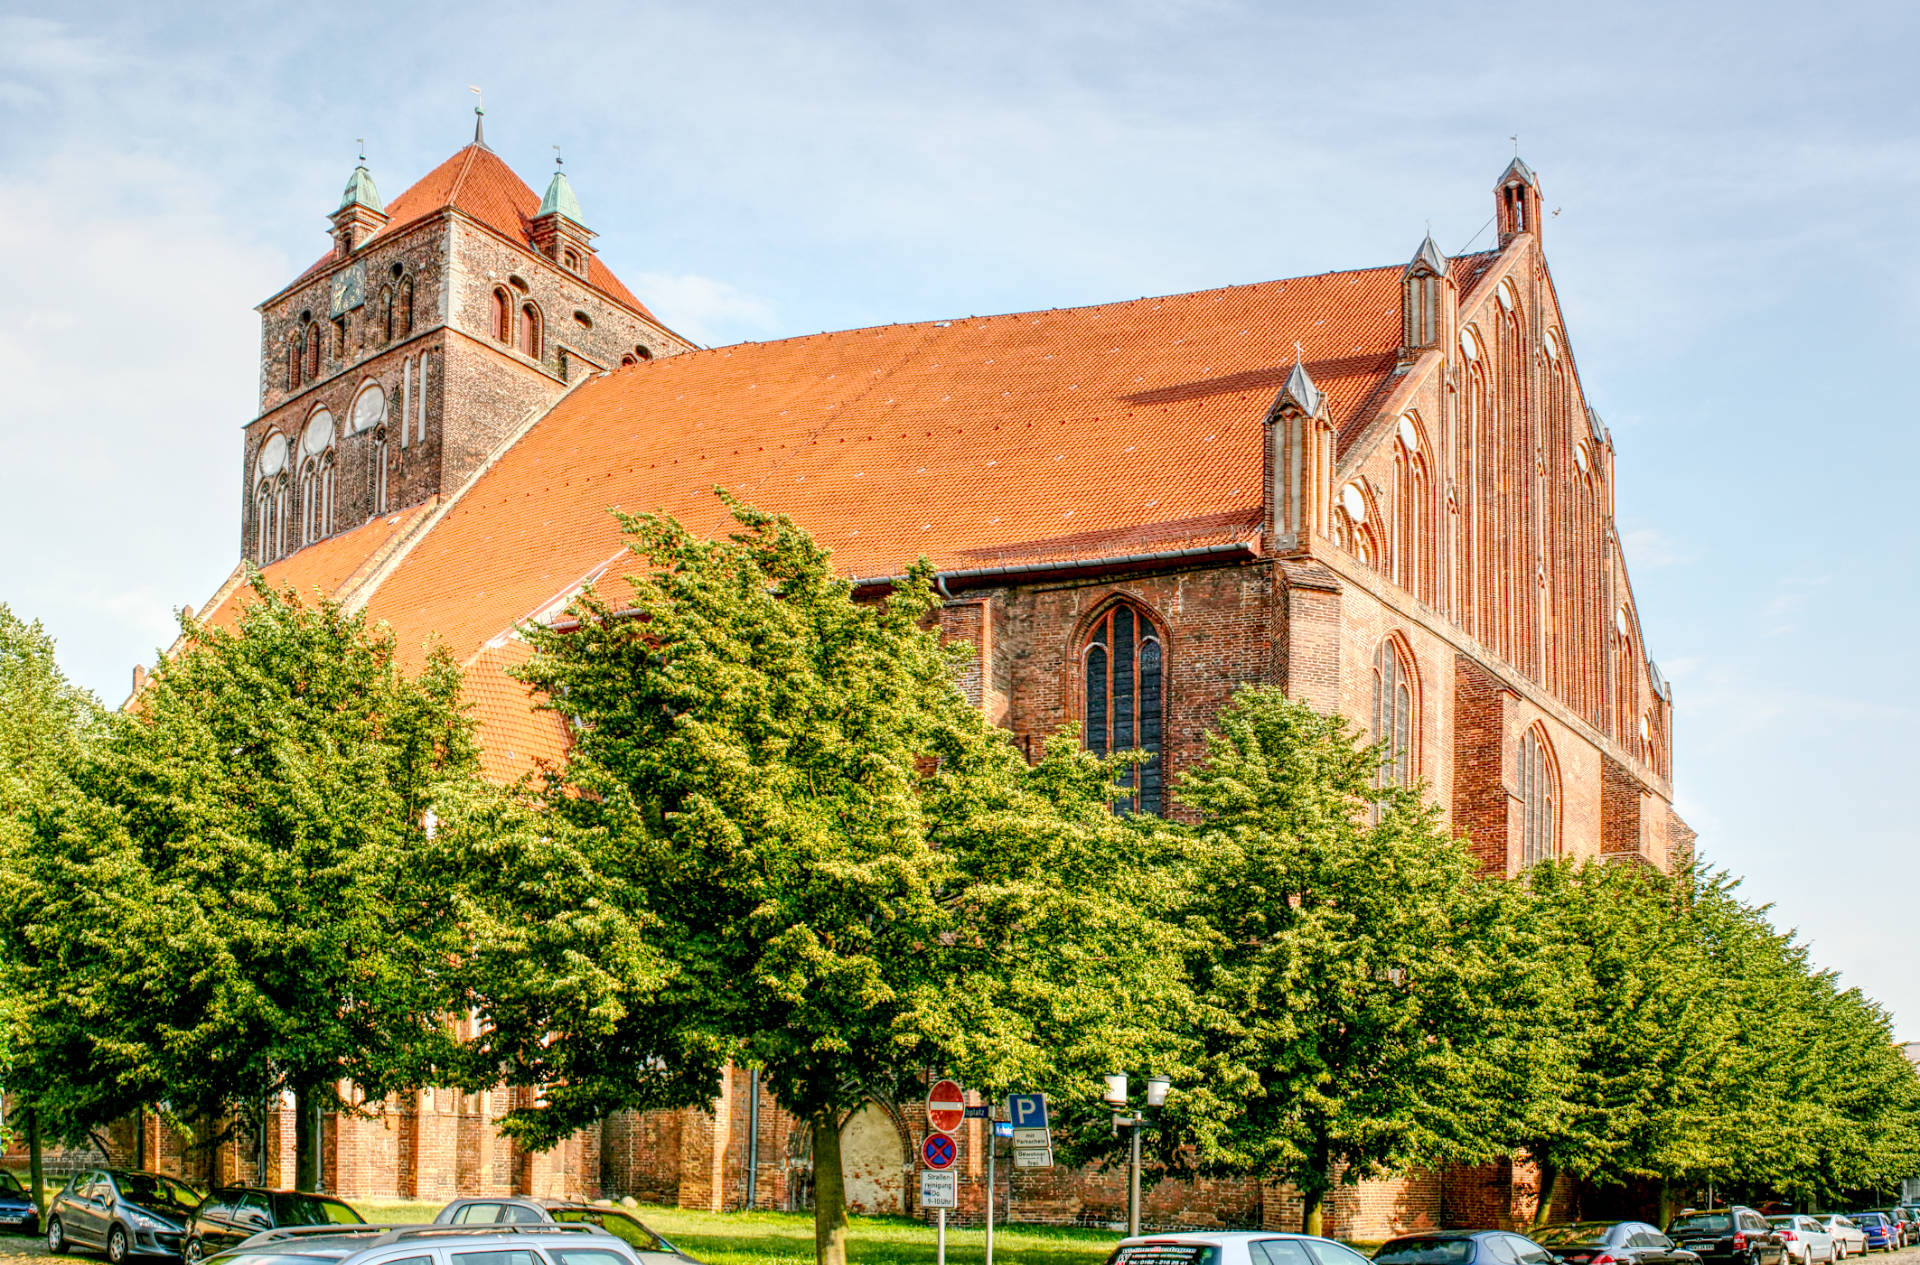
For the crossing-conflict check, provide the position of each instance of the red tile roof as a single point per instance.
(476, 182)
(329, 566)
(515, 737)
(1082, 432)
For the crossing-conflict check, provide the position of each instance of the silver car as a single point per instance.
(1233, 1247)
(430, 1245)
(649, 1247)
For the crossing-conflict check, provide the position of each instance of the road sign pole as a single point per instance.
(941, 1255)
(993, 1145)
(1133, 1185)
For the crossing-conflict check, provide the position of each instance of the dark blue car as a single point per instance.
(1880, 1230)
(1462, 1247)
(16, 1206)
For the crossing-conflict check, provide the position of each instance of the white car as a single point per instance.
(1806, 1240)
(1233, 1247)
(1848, 1238)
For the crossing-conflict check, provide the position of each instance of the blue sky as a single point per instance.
(1733, 186)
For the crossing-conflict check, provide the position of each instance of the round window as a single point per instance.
(318, 437)
(273, 456)
(370, 409)
(1469, 345)
(1354, 503)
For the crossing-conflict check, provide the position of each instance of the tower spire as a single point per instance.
(479, 117)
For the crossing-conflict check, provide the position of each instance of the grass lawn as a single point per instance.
(748, 1238)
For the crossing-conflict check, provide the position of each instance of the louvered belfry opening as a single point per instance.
(1124, 711)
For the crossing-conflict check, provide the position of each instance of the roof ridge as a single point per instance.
(453, 190)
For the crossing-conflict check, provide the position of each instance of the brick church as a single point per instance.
(1382, 489)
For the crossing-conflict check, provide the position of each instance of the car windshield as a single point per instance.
(1701, 1223)
(312, 1210)
(1576, 1234)
(10, 1183)
(154, 1191)
(1425, 1251)
(618, 1224)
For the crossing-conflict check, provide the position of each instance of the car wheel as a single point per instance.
(56, 1237)
(117, 1245)
(196, 1252)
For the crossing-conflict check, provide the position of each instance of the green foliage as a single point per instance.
(810, 855)
(1362, 1007)
(231, 900)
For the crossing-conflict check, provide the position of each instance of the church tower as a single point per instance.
(429, 332)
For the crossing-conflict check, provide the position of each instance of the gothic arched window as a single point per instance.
(1394, 713)
(380, 471)
(501, 326)
(529, 341)
(282, 519)
(1539, 800)
(263, 523)
(312, 338)
(1123, 667)
(403, 309)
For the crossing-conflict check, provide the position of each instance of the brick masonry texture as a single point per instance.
(1439, 488)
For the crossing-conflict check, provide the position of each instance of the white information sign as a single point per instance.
(939, 1189)
(1031, 1137)
(1033, 1157)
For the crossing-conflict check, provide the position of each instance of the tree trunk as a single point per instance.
(306, 1141)
(1543, 1202)
(829, 1192)
(1312, 1210)
(36, 1166)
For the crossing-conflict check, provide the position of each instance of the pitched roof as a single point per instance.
(1039, 436)
(329, 566)
(480, 185)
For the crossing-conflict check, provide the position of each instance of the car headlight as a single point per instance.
(145, 1221)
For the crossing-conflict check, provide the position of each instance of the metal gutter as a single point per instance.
(941, 579)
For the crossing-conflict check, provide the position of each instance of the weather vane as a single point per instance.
(558, 161)
(1515, 138)
(363, 149)
(479, 102)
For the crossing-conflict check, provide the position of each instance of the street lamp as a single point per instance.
(1116, 1096)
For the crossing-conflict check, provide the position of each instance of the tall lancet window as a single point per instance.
(1123, 677)
(1393, 714)
(1539, 800)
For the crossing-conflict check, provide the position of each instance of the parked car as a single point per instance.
(16, 1205)
(1238, 1247)
(1808, 1242)
(1462, 1247)
(623, 1225)
(1611, 1243)
(1903, 1223)
(532, 1244)
(1736, 1235)
(232, 1214)
(1848, 1238)
(1881, 1230)
(121, 1213)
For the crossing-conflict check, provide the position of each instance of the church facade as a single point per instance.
(1381, 489)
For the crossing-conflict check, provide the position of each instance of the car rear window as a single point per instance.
(1701, 1223)
(1279, 1252)
(1577, 1234)
(1422, 1251)
(1165, 1254)
(312, 1210)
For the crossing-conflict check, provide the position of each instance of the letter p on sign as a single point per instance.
(1027, 1111)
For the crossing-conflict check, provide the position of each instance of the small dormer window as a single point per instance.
(570, 258)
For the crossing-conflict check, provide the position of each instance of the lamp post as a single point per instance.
(1116, 1096)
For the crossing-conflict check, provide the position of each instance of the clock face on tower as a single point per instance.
(349, 289)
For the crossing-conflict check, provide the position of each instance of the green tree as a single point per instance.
(1367, 1002)
(235, 902)
(46, 727)
(1648, 1029)
(799, 848)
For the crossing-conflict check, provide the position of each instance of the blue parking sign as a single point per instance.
(1027, 1111)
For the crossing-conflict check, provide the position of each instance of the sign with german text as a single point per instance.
(939, 1190)
(1033, 1157)
(946, 1106)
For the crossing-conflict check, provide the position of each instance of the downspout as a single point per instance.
(753, 1135)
